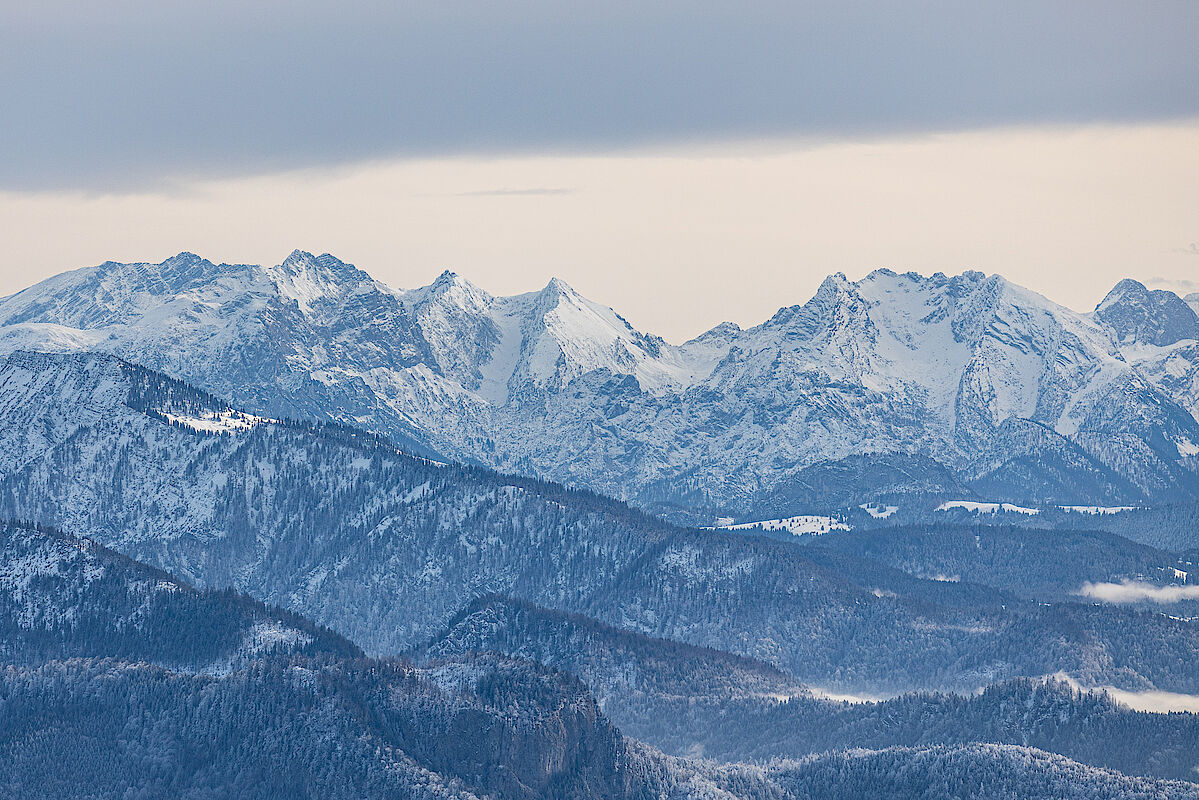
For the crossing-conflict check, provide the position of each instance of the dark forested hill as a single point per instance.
(312, 729)
(1035, 563)
(64, 597)
(262, 703)
(976, 772)
(639, 680)
(695, 701)
(481, 727)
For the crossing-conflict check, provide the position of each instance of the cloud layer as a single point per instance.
(1154, 701)
(134, 92)
(1137, 591)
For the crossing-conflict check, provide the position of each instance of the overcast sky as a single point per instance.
(685, 162)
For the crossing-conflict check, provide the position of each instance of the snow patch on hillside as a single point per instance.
(217, 421)
(18, 574)
(418, 493)
(1098, 509)
(976, 507)
(877, 511)
(802, 525)
(269, 635)
(1186, 448)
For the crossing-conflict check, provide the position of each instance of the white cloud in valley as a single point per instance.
(1138, 591)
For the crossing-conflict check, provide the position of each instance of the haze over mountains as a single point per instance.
(302, 476)
(892, 386)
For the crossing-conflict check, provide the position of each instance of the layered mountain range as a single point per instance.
(348, 453)
(140, 709)
(894, 385)
(385, 547)
(120, 681)
(694, 701)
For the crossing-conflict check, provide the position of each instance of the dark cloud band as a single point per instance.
(148, 91)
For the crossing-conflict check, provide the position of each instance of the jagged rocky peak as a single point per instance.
(809, 318)
(173, 275)
(896, 302)
(455, 318)
(108, 293)
(724, 330)
(184, 264)
(1136, 314)
(184, 260)
(562, 311)
(302, 260)
(567, 312)
(551, 383)
(564, 336)
(558, 288)
(449, 291)
(975, 310)
(309, 280)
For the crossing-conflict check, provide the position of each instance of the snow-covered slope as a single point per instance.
(894, 383)
(1158, 334)
(298, 339)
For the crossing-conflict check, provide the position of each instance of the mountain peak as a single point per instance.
(555, 294)
(451, 290)
(297, 257)
(838, 280)
(558, 287)
(307, 279)
(184, 257)
(303, 260)
(450, 280)
(1123, 291)
(184, 264)
(326, 260)
(1148, 316)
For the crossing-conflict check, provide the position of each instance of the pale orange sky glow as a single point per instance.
(679, 240)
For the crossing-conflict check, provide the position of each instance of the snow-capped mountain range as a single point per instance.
(894, 384)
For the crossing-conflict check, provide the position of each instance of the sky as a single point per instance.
(684, 162)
